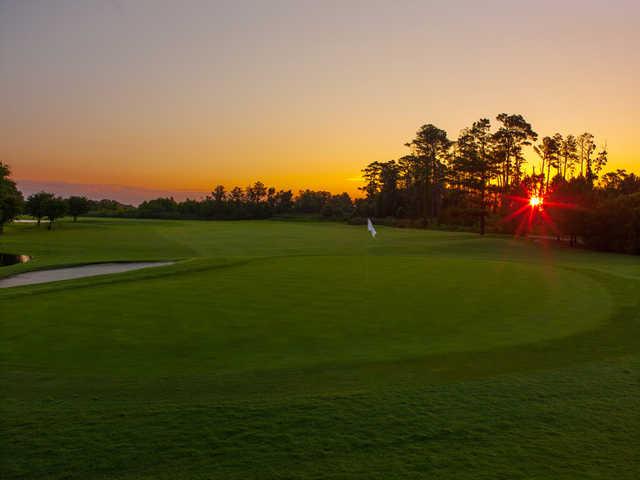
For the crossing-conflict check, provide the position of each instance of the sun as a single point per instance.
(535, 201)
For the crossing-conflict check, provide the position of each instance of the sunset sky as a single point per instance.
(183, 95)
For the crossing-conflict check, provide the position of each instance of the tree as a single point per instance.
(256, 192)
(283, 201)
(159, 208)
(611, 181)
(371, 175)
(548, 151)
(382, 187)
(629, 184)
(338, 207)
(614, 224)
(189, 208)
(310, 201)
(78, 206)
(54, 208)
(237, 195)
(409, 181)
(598, 163)
(586, 147)
(475, 162)
(219, 195)
(431, 147)
(11, 199)
(512, 136)
(620, 182)
(576, 198)
(568, 153)
(112, 208)
(271, 197)
(35, 205)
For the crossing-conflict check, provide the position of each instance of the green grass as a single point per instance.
(309, 350)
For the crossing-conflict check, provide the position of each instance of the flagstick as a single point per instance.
(371, 230)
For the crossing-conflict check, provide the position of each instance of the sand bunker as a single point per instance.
(69, 273)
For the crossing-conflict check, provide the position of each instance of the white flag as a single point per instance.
(371, 229)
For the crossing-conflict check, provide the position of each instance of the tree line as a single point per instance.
(42, 205)
(256, 201)
(477, 181)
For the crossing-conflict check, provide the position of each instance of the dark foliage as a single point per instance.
(78, 206)
(253, 202)
(35, 205)
(11, 200)
(54, 208)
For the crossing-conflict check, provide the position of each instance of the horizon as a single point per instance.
(127, 194)
(297, 96)
(133, 194)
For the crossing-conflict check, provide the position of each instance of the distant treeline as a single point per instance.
(253, 202)
(476, 182)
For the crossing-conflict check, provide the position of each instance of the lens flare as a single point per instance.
(535, 201)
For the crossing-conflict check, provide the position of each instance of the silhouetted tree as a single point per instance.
(430, 147)
(189, 208)
(620, 183)
(548, 151)
(34, 205)
(338, 207)
(54, 208)
(514, 133)
(283, 201)
(381, 187)
(159, 208)
(219, 194)
(309, 201)
(78, 206)
(11, 200)
(237, 195)
(475, 165)
(598, 164)
(585, 148)
(271, 201)
(614, 224)
(256, 192)
(106, 207)
(568, 153)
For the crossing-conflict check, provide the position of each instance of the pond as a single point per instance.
(12, 259)
(69, 273)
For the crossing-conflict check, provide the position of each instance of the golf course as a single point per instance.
(299, 349)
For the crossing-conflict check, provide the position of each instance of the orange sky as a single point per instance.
(186, 95)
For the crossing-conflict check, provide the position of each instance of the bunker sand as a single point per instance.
(70, 273)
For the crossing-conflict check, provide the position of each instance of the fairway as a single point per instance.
(274, 349)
